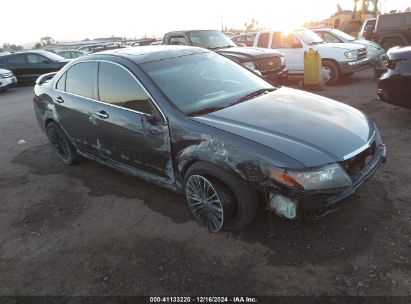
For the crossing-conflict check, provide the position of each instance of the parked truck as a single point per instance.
(269, 64)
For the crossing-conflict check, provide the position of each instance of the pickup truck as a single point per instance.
(338, 59)
(269, 64)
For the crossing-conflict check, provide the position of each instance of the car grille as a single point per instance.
(356, 164)
(268, 64)
(362, 53)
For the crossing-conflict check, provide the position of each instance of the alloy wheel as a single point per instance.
(205, 203)
(59, 144)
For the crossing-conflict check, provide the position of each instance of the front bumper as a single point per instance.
(326, 200)
(355, 66)
(7, 82)
(279, 77)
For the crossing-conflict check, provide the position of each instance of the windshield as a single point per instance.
(203, 81)
(343, 35)
(210, 39)
(309, 37)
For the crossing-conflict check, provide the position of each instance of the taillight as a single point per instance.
(364, 34)
(34, 99)
(391, 64)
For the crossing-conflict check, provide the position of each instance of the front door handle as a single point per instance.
(59, 99)
(102, 114)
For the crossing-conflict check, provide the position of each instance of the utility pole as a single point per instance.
(222, 28)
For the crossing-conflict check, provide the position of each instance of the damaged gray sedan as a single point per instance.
(197, 123)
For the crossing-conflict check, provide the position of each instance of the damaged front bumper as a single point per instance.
(290, 205)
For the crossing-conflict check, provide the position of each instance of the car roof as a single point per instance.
(150, 53)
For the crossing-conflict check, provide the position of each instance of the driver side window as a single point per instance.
(285, 41)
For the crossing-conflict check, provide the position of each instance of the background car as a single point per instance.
(338, 59)
(7, 79)
(374, 50)
(70, 54)
(28, 66)
(395, 85)
(391, 30)
(368, 23)
(200, 124)
(106, 48)
(144, 41)
(246, 39)
(269, 64)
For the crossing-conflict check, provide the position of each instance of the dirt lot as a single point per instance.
(90, 230)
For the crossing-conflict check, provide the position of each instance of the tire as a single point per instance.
(239, 204)
(61, 144)
(332, 67)
(391, 42)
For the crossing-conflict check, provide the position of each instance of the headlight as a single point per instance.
(327, 177)
(349, 55)
(249, 65)
(6, 75)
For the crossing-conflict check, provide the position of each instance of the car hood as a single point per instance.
(313, 130)
(345, 46)
(4, 71)
(368, 44)
(248, 53)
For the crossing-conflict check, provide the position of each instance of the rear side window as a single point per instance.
(118, 87)
(263, 40)
(61, 84)
(389, 21)
(20, 58)
(80, 79)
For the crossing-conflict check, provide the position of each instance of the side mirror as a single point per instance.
(45, 61)
(152, 118)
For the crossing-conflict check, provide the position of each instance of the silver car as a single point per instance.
(374, 50)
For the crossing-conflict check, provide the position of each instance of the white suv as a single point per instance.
(339, 59)
(7, 79)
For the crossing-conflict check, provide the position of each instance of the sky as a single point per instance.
(28, 20)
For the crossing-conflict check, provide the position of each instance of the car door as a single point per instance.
(292, 48)
(39, 65)
(73, 100)
(17, 63)
(130, 129)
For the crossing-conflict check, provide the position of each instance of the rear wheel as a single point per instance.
(61, 144)
(331, 68)
(219, 199)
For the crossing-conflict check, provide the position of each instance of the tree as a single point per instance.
(37, 45)
(47, 40)
(253, 25)
(12, 47)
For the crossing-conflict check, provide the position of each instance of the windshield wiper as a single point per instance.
(252, 95)
(205, 110)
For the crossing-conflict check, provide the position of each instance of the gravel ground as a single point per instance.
(90, 230)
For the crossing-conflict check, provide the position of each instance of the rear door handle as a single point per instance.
(102, 114)
(59, 99)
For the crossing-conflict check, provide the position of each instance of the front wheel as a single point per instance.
(333, 70)
(219, 199)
